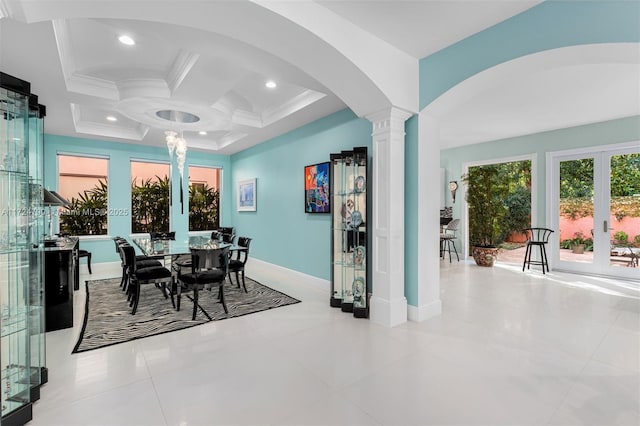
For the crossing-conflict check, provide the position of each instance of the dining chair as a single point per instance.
(536, 237)
(138, 276)
(228, 234)
(155, 236)
(237, 265)
(142, 261)
(447, 239)
(209, 268)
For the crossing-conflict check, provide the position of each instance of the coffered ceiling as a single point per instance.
(213, 59)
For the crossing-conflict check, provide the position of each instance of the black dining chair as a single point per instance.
(157, 275)
(228, 234)
(536, 237)
(237, 265)
(209, 268)
(141, 260)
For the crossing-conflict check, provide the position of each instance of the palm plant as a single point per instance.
(204, 203)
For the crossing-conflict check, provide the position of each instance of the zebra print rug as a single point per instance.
(108, 320)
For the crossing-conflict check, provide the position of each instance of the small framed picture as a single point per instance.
(246, 192)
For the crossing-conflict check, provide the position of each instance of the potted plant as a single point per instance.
(578, 243)
(486, 193)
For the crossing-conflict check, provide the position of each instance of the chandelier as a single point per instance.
(179, 145)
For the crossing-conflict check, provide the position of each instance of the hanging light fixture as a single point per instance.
(170, 137)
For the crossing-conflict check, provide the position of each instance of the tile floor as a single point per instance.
(510, 348)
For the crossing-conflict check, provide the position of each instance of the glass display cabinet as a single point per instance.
(350, 236)
(22, 348)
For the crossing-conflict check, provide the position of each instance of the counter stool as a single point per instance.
(87, 254)
(537, 237)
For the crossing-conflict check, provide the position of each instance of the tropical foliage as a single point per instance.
(499, 197)
(150, 205)
(87, 214)
(204, 203)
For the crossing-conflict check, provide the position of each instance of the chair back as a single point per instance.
(537, 235)
(128, 255)
(453, 225)
(243, 255)
(203, 259)
(156, 236)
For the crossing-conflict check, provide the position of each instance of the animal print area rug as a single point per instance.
(108, 320)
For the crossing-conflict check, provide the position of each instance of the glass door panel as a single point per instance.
(575, 213)
(596, 205)
(624, 210)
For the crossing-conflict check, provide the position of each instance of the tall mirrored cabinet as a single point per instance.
(350, 237)
(22, 343)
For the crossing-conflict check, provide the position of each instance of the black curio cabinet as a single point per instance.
(350, 201)
(22, 345)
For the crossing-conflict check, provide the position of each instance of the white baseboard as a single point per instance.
(424, 312)
(258, 268)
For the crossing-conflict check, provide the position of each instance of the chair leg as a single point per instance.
(244, 285)
(89, 263)
(124, 276)
(545, 259)
(237, 280)
(195, 303)
(456, 250)
(136, 298)
(224, 305)
(526, 253)
(529, 258)
(449, 249)
(173, 302)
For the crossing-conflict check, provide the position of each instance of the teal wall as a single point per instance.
(282, 232)
(119, 180)
(551, 24)
(411, 211)
(605, 133)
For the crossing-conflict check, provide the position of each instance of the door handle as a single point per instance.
(605, 226)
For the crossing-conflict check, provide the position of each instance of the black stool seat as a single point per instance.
(537, 237)
(87, 254)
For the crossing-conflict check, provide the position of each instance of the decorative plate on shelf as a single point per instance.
(356, 219)
(358, 288)
(359, 255)
(359, 185)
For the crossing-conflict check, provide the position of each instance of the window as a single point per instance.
(83, 182)
(204, 198)
(149, 197)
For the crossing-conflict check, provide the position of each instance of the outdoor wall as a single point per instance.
(283, 234)
(605, 133)
(120, 156)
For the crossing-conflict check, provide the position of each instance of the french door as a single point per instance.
(595, 212)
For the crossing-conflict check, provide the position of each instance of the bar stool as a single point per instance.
(447, 239)
(537, 237)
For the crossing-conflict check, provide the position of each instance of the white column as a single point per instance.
(388, 304)
(429, 304)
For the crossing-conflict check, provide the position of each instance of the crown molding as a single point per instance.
(304, 99)
(182, 65)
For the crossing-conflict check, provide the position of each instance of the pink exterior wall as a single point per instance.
(78, 174)
(568, 227)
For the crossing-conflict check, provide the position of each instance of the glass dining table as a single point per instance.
(173, 248)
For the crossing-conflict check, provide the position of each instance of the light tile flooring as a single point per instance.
(510, 348)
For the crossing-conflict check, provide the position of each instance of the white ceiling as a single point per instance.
(82, 74)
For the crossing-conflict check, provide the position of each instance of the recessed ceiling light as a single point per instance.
(125, 39)
(271, 84)
(202, 132)
(111, 118)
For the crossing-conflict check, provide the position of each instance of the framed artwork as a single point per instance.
(316, 188)
(247, 195)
